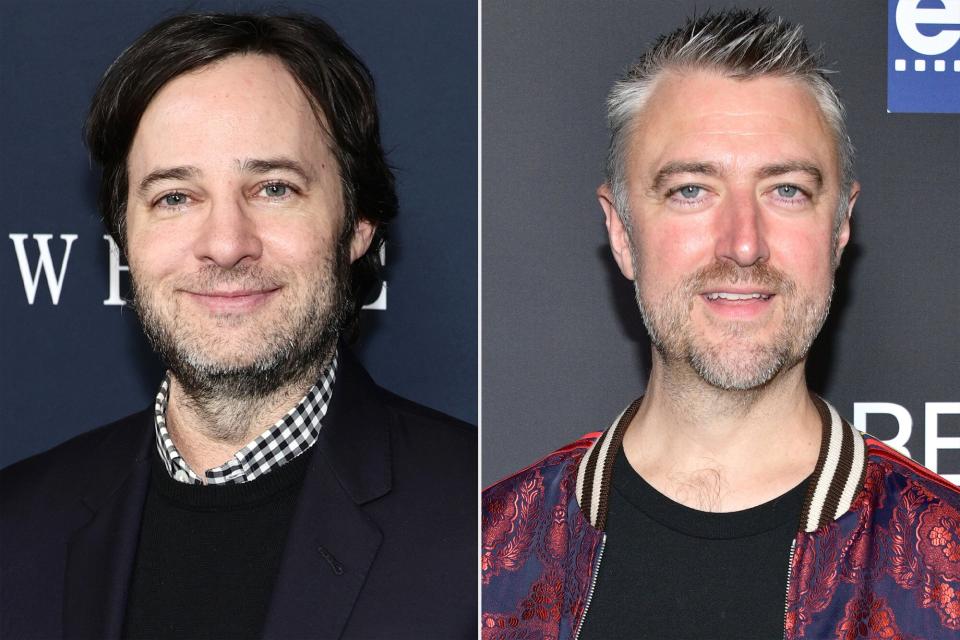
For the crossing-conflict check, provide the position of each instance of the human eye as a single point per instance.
(174, 200)
(688, 195)
(689, 191)
(790, 194)
(276, 190)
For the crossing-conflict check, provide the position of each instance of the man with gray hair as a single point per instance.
(728, 501)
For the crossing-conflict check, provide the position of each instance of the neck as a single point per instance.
(209, 430)
(717, 450)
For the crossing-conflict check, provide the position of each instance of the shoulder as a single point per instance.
(359, 403)
(532, 528)
(554, 467)
(430, 449)
(900, 471)
(418, 421)
(59, 474)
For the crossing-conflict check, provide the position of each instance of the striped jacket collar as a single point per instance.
(837, 478)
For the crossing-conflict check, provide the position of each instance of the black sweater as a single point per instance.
(208, 555)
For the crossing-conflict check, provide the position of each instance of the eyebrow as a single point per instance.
(255, 165)
(261, 166)
(711, 169)
(677, 167)
(812, 170)
(166, 173)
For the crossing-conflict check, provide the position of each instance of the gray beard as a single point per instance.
(295, 356)
(667, 323)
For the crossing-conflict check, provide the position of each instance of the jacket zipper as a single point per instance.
(593, 586)
(786, 600)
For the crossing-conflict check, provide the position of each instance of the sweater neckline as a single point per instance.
(198, 497)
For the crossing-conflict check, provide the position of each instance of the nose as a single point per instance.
(228, 235)
(740, 231)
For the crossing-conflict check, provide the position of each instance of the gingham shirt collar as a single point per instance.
(293, 434)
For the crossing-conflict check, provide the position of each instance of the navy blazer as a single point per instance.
(383, 542)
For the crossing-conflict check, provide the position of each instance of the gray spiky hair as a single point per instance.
(739, 44)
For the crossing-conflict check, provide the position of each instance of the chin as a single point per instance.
(740, 369)
(240, 353)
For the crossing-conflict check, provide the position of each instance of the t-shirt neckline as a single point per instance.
(703, 524)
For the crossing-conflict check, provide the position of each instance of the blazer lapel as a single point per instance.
(332, 542)
(329, 551)
(101, 553)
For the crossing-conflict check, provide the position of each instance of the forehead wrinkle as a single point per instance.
(738, 112)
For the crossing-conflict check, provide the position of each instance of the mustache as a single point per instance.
(242, 276)
(722, 272)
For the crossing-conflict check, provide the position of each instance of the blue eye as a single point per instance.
(689, 191)
(275, 190)
(175, 199)
(788, 191)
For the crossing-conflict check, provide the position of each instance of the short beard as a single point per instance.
(291, 354)
(751, 367)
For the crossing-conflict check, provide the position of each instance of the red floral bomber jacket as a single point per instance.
(876, 554)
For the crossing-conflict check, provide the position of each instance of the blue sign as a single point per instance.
(923, 56)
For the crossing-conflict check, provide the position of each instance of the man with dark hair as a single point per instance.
(728, 501)
(273, 490)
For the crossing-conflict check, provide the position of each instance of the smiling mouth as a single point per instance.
(232, 294)
(239, 301)
(738, 305)
(724, 295)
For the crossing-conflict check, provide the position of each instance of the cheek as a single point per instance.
(303, 246)
(156, 252)
(805, 256)
(672, 251)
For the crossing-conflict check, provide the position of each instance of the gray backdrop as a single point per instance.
(564, 349)
(70, 366)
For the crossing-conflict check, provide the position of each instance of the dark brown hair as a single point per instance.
(338, 85)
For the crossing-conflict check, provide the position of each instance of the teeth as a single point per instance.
(722, 295)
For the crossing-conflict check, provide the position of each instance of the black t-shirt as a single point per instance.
(672, 572)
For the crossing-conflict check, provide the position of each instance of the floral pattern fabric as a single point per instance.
(887, 568)
(538, 551)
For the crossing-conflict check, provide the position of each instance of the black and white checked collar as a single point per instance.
(293, 434)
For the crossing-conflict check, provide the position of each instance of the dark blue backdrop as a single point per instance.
(70, 366)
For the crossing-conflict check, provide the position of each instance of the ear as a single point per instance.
(362, 237)
(619, 237)
(843, 237)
